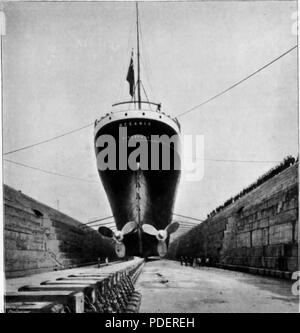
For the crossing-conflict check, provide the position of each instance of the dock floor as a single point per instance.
(166, 286)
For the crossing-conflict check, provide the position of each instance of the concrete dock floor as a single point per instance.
(166, 286)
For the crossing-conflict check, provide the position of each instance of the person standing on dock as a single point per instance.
(186, 261)
(199, 260)
(191, 261)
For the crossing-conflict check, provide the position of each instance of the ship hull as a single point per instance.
(144, 196)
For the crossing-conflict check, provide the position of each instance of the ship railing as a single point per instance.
(135, 104)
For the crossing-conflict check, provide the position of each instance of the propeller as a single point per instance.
(118, 236)
(127, 228)
(161, 235)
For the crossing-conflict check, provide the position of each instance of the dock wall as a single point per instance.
(39, 238)
(258, 232)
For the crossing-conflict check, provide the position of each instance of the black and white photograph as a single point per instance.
(149, 159)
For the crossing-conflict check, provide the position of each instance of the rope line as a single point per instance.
(237, 83)
(48, 140)
(179, 115)
(51, 172)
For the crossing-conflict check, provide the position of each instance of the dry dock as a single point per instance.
(248, 249)
(166, 286)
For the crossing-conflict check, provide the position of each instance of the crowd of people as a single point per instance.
(194, 261)
(287, 162)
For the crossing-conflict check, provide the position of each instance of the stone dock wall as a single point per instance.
(39, 238)
(258, 232)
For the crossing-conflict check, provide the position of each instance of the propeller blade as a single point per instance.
(120, 250)
(106, 232)
(162, 248)
(172, 227)
(128, 227)
(149, 229)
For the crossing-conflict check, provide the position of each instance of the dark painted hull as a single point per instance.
(156, 188)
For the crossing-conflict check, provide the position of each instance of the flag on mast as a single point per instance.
(130, 76)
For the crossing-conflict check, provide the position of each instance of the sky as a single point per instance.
(64, 64)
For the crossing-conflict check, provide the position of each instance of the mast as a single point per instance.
(138, 56)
